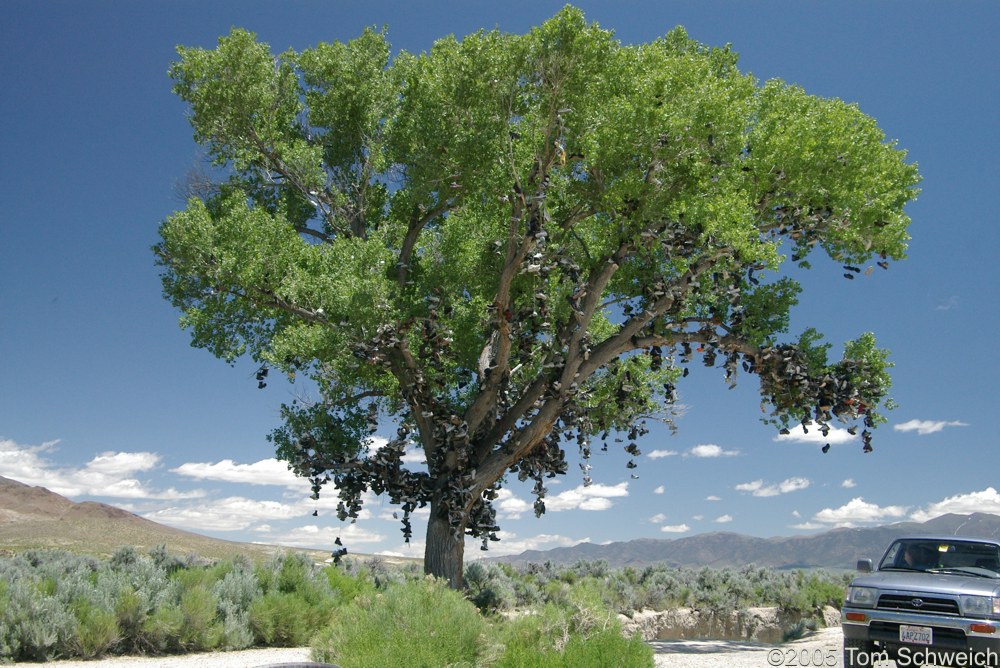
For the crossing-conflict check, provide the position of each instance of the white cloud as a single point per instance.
(313, 536)
(511, 507)
(660, 490)
(848, 483)
(413, 456)
(510, 544)
(109, 474)
(812, 434)
(233, 513)
(985, 501)
(659, 454)
(264, 472)
(809, 526)
(858, 511)
(723, 519)
(118, 463)
(657, 518)
(710, 450)
(675, 528)
(760, 488)
(713, 497)
(924, 427)
(594, 497)
(796, 513)
(948, 304)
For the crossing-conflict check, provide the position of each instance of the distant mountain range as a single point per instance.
(34, 517)
(835, 549)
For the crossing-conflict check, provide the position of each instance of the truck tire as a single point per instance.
(858, 653)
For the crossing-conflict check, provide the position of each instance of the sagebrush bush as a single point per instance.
(35, 626)
(489, 587)
(570, 637)
(417, 623)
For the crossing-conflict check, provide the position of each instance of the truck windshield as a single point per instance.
(953, 556)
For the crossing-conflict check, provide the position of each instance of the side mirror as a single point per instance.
(864, 565)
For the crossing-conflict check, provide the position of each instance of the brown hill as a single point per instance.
(19, 502)
(34, 517)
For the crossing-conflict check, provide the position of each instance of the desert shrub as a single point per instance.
(161, 630)
(813, 591)
(621, 593)
(235, 592)
(34, 626)
(348, 587)
(199, 631)
(660, 590)
(124, 557)
(239, 587)
(236, 630)
(417, 623)
(489, 587)
(292, 573)
(568, 637)
(798, 630)
(297, 600)
(281, 619)
(164, 560)
(131, 612)
(97, 630)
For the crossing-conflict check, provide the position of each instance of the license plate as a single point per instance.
(917, 635)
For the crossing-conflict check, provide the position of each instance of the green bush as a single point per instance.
(161, 631)
(348, 587)
(560, 637)
(489, 587)
(418, 623)
(279, 619)
(199, 631)
(131, 612)
(798, 630)
(97, 632)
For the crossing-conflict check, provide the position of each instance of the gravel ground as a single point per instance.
(242, 659)
(819, 649)
(815, 650)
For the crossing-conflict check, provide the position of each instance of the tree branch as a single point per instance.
(412, 234)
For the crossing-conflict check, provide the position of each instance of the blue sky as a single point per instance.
(102, 398)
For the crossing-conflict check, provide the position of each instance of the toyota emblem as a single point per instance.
(917, 602)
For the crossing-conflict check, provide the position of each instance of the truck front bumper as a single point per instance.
(949, 633)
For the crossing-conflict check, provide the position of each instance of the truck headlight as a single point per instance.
(863, 597)
(979, 606)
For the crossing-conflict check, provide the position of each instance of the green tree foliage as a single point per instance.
(512, 239)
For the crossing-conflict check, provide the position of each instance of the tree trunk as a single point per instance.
(444, 553)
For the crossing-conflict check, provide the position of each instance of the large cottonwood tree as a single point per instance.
(512, 240)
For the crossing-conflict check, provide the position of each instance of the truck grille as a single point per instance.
(918, 604)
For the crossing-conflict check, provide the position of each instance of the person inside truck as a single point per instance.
(917, 556)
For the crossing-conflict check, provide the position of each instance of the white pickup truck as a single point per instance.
(930, 600)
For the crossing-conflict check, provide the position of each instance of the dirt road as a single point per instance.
(820, 649)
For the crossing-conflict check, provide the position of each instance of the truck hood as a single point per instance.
(930, 583)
